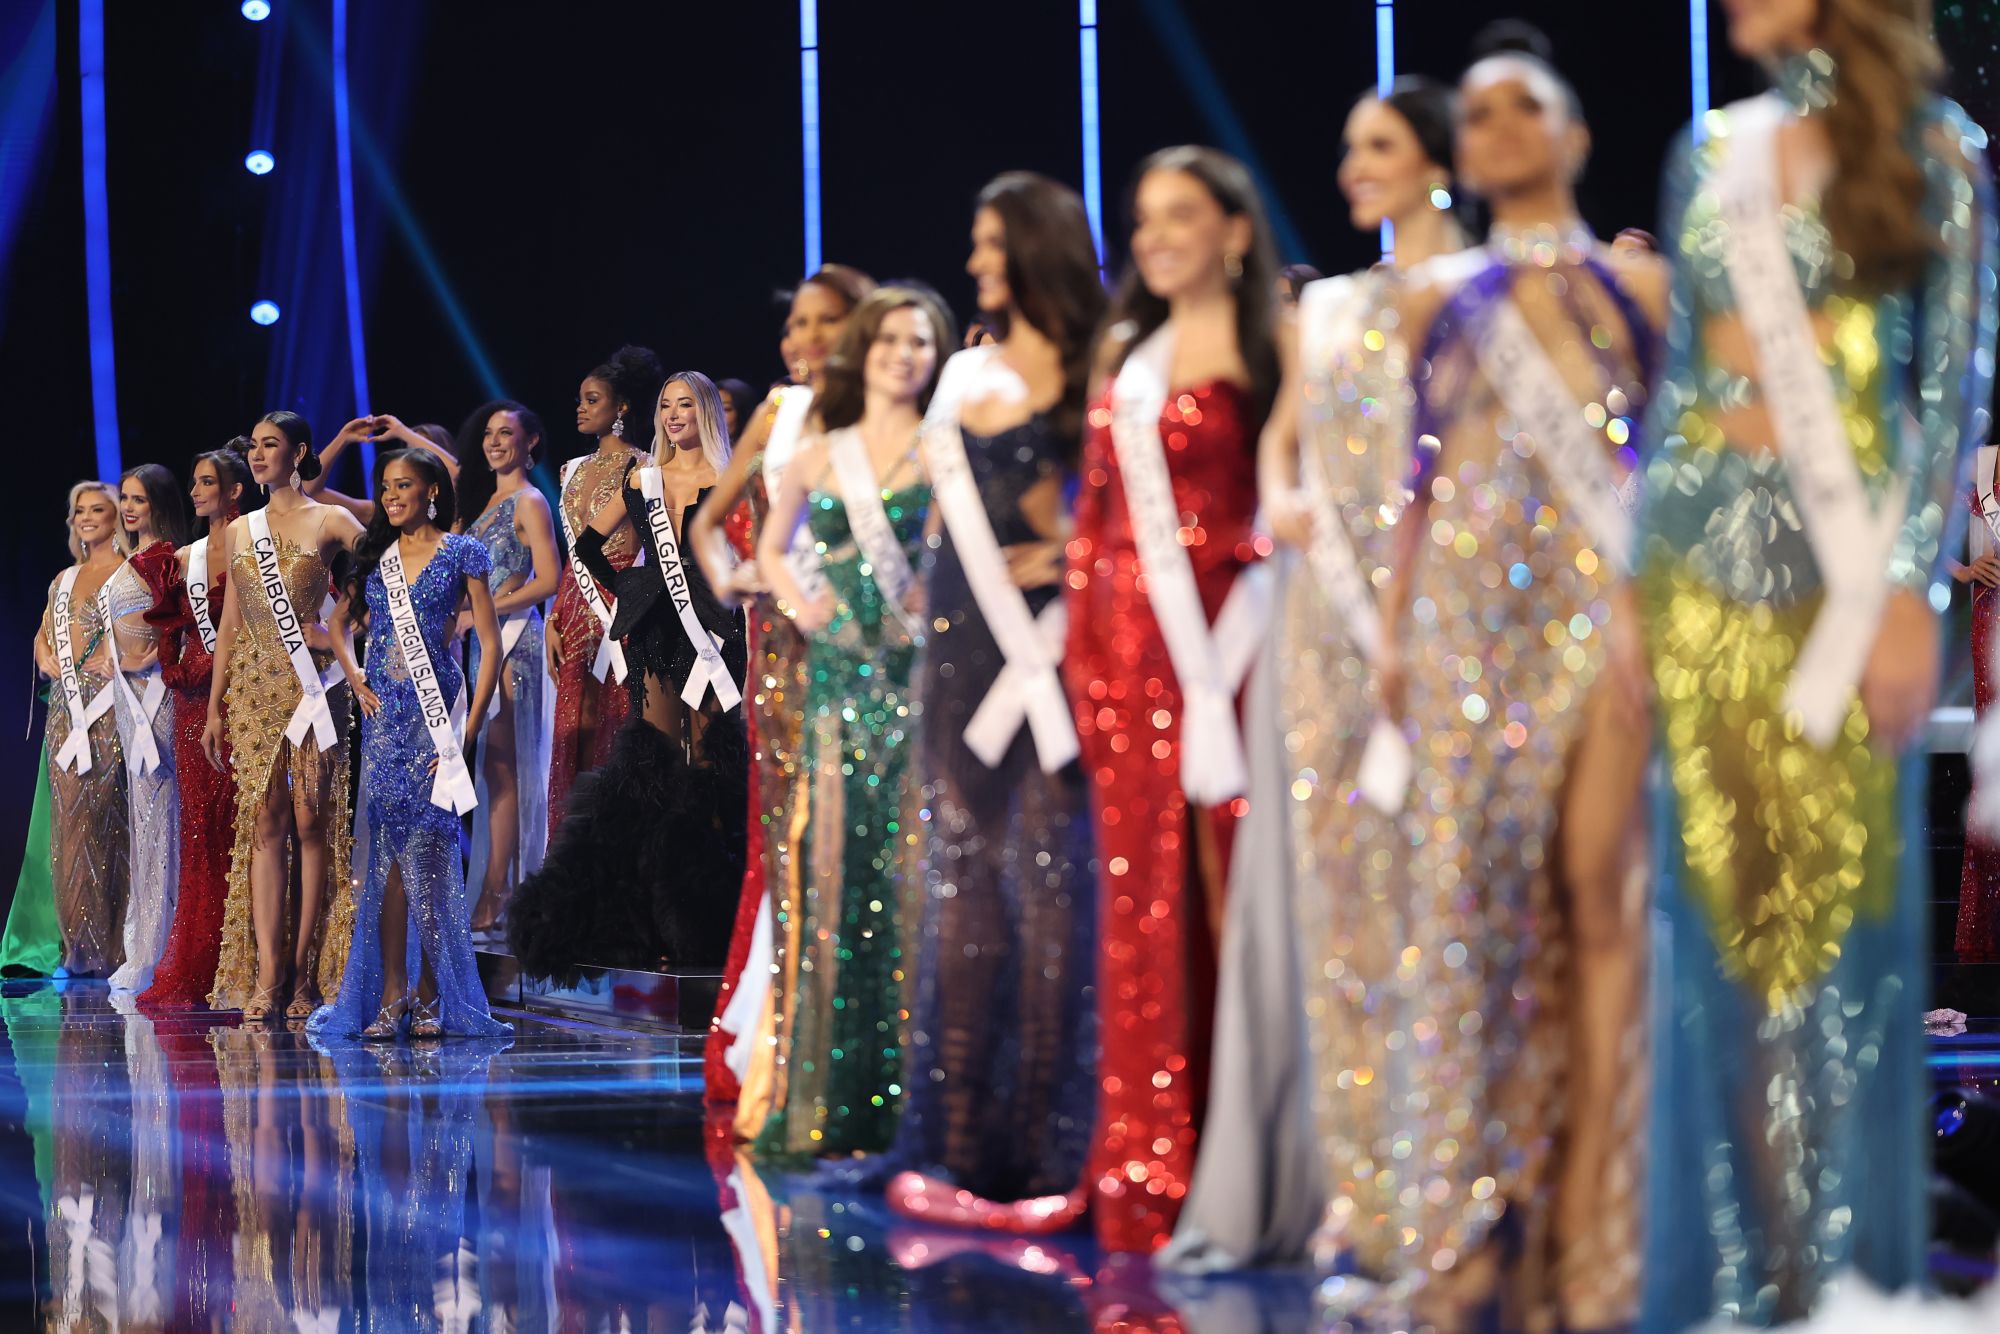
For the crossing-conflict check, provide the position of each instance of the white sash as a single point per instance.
(1327, 329)
(312, 711)
(1572, 454)
(610, 653)
(1850, 539)
(1208, 664)
(144, 756)
(511, 631)
(451, 787)
(780, 448)
(861, 496)
(1027, 688)
(75, 751)
(197, 588)
(709, 671)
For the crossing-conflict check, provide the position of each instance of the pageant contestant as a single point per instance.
(506, 513)
(155, 526)
(589, 669)
(220, 491)
(1003, 1041)
(1977, 937)
(1480, 940)
(1830, 358)
(860, 488)
(740, 1062)
(288, 709)
(410, 960)
(646, 865)
(1333, 466)
(32, 944)
(386, 432)
(1165, 614)
(89, 843)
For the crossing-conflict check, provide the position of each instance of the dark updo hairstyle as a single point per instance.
(635, 376)
(1136, 313)
(844, 394)
(298, 433)
(1521, 40)
(163, 495)
(232, 469)
(476, 480)
(845, 281)
(1052, 279)
(1430, 109)
(380, 531)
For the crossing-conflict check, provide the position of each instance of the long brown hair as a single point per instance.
(1886, 63)
(845, 394)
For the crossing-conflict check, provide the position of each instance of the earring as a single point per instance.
(295, 479)
(1232, 264)
(433, 511)
(618, 427)
(1440, 197)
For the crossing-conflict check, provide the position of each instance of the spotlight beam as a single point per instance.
(350, 259)
(97, 241)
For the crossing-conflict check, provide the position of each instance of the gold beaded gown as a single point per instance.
(1793, 881)
(262, 692)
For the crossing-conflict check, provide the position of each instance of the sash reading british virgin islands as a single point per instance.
(709, 671)
(144, 755)
(1850, 539)
(75, 751)
(451, 787)
(610, 654)
(312, 713)
(1027, 689)
(197, 588)
(1210, 666)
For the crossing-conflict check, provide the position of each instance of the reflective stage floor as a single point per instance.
(186, 1173)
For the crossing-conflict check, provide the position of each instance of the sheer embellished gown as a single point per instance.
(527, 689)
(860, 857)
(261, 694)
(138, 590)
(1790, 1131)
(89, 837)
(408, 836)
(208, 801)
(648, 862)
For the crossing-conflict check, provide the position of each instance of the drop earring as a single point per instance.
(295, 479)
(618, 426)
(433, 510)
(1440, 197)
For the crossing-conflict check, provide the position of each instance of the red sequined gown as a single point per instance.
(1977, 939)
(595, 481)
(208, 806)
(1156, 950)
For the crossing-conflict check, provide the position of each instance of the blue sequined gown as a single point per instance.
(513, 563)
(404, 829)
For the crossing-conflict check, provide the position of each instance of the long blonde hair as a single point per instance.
(711, 424)
(119, 539)
(1886, 63)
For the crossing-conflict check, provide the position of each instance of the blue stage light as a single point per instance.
(264, 312)
(256, 10)
(258, 162)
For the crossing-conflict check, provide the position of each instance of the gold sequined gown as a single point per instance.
(261, 693)
(1441, 1010)
(1793, 881)
(89, 840)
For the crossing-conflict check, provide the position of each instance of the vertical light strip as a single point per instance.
(350, 259)
(1093, 148)
(1698, 62)
(809, 125)
(97, 241)
(1385, 78)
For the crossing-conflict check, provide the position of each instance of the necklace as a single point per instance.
(1543, 244)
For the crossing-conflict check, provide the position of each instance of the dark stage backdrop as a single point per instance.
(537, 182)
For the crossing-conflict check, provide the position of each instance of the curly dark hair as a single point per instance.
(475, 475)
(635, 376)
(380, 531)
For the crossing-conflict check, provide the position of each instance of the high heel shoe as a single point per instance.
(302, 1004)
(258, 1008)
(388, 1023)
(424, 1020)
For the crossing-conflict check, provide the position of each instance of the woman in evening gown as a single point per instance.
(646, 864)
(89, 844)
(740, 1059)
(155, 525)
(1333, 464)
(31, 946)
(287, 748)
(1484, 959)
(410, 959)
(860, 485)
(1833, 313)
(590, 699)
(1003, 1037)
(1977, 935)
(506, 513)
(1191, 372)
(220, 490)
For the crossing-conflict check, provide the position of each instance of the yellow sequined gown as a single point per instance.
(262, 692)
(1793, 881)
